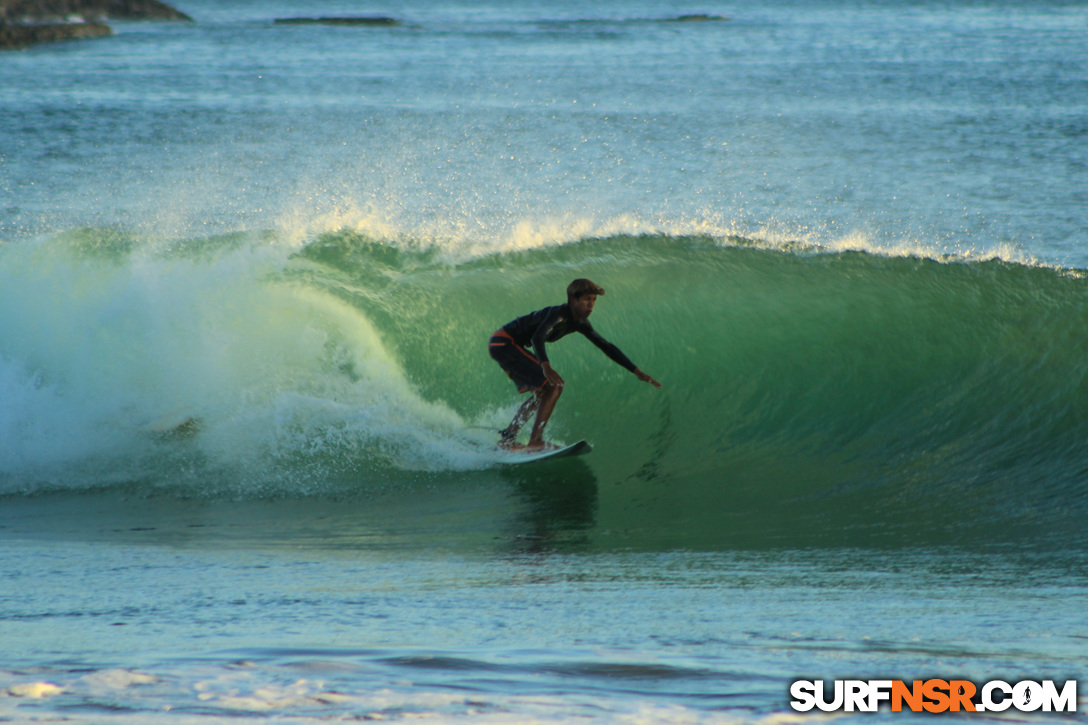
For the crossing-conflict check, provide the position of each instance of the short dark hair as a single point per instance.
(582, 287)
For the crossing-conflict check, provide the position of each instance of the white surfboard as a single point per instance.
(518, 457)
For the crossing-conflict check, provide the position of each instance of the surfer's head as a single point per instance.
(580, 287)
(582, 296)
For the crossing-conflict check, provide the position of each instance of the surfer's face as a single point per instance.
(582, 307)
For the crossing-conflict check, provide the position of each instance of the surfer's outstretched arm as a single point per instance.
(616, 355)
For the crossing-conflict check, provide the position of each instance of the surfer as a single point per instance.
(532, 372)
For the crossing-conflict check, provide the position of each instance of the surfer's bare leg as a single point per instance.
(525, 412)
(542, 402)
(547, 396)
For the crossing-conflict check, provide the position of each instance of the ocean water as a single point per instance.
(247, 275)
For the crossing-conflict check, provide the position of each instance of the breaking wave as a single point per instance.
(804, 388)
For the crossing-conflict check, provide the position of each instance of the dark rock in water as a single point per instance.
(699, 18)
(50, 11)
(20, 36)
(26, 22)
(371, 21)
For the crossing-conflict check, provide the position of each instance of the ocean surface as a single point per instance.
(247, 275)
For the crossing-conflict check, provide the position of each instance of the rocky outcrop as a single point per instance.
(699, 18)
(53, 11)
(20, 36)
(27, 22)
(379, 21)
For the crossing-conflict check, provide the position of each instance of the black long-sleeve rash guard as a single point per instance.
(551, 323)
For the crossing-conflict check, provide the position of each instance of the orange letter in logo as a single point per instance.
(912, 696)
(961, 692)
(935, 691)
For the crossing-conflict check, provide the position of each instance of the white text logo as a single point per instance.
(933, 696)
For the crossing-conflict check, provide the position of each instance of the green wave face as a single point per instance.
(826, 390)
(807, 396)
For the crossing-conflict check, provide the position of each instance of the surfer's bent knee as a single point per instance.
(548, 390)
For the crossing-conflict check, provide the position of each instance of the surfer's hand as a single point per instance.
(647, 379)
(552, 376)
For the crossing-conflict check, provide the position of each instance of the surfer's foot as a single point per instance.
(509, 441)
(540, 446)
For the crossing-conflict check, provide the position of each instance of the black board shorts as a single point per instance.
(520, 364)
